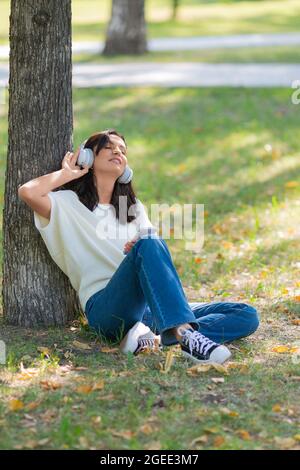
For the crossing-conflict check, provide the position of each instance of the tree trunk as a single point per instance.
(34, 290)
(126, 33)
(175, 4)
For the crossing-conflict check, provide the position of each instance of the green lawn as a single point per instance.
(237, 151)
(90, 18)
(280, 54)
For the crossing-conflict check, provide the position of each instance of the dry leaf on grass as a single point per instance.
(33, 405)
(82, 346)
(96, 419)
(15, 405)
(285, 349)
(277, 408)
(148, 429)
(291, 184)
(228, 412)
(99, 385)
(199, 440)
(50, 384)
(169, 361)
(107, 350)
(285, 442)
(84, 389)
(199, 368)
(44, 350)
(124, 434)
(243, 434)
(218, 441)
(88, 388)
(155, 445)
(218, 380)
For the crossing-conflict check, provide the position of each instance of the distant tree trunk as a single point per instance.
(175, 4)
(126, 33)
(35, 291)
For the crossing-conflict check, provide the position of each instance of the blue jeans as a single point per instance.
(146, 288)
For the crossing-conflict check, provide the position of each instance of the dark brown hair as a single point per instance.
(85, 186)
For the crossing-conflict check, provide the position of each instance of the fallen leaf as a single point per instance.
(280, 349)
(83, 442)
(31, 444)
(84, 389)
(98, 385)
(220, 368)
(147, 429)
(125, 434)
(96, 419)
(292, 184)
(80, 345)
(43, 442)
(15, 405)
(285, 442)
(50, 384)
(243, 434)
(218, 380)
(155, 445)
(48, 416)
(227, 412)
(199, 440)
(44, 350)
(107, 350)
(169, 361)
(198, 369)
(211, 430)
(219, 441)
(33, 405)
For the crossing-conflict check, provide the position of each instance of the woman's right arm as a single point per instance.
(35, 192)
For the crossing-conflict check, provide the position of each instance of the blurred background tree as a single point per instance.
(126, 32)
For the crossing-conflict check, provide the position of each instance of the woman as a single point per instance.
(128, 287)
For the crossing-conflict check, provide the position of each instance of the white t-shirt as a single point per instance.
(87, 245)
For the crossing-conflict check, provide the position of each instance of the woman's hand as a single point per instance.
(70, 168)
(129, 245)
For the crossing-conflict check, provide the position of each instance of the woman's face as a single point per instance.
(112, 157)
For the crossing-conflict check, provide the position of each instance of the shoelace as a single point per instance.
(145, 343)
(197, 341)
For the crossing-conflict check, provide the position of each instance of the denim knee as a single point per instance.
(142, 242)
(252, 318)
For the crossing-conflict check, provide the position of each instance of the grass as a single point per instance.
(236, 151)
(90, 18)
(194, 18)
(280, 54)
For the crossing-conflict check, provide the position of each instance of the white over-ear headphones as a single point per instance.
(86, 157)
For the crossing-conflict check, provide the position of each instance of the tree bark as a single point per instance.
(126, 33)
(34, 290)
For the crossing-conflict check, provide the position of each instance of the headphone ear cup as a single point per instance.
(85, 157)
(126, 177)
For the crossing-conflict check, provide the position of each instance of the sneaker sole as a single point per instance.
(218, 358)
